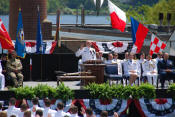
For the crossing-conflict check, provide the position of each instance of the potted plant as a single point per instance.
(63, 92)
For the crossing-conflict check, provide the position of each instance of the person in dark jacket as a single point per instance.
(166, 69)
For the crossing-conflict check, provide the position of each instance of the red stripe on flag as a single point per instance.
(53, 46)
(117, 23)
(30, 44)
(141, 34)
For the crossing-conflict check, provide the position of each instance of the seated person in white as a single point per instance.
(35, 106)
(131, 69)
(60, 112)
(47, 111)
(99, 56)
(2, 78)
(150, 70)
(159, 57)
(126, 58)
(110, 59)
(115, 58)
(142, 59)
(87, 52)
(12, 110)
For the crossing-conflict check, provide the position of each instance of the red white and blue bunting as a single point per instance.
(48, 46)
(158, 107)
(111, 106)
(164, 107)
(115, 46)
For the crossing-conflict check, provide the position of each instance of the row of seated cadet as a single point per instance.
(130, 69)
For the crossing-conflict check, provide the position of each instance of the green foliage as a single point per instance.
(23, 92)
(44, 91)
(146, 91)
(101, 91)
(150, 14)
(171, 90)
(63, 92)
(4, 7)
(104, 91)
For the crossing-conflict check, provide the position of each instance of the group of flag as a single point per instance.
(20, 46)
(139, 31)
(118, 21)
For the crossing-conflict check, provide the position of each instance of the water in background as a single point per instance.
(67, 19)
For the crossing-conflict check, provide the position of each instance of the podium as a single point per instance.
(97, 69)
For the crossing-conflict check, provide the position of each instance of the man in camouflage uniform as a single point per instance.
(14, 68)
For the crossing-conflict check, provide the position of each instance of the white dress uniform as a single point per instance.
(86, 53)
(61, 113)
(131, 65)
(109, 62)
(158, 59)
(148, 67)
(47, 111)
(36, 107)
(12, 110)
(74, 115)
(2, 78)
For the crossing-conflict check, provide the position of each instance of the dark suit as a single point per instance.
(162, 66)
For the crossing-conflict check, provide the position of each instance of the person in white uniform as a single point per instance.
(115, 58)
(2, 78)
(60, 112)
(35, 106)
(131, 69)
(150, 70)
(23, 108)
(87, 53)
(110, 59)
(159, 57)
(47, 111)
(74, 111)
(12, 110)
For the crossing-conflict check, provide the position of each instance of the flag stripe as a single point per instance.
(134, 27)
(117, 23)
(118, 17)
(140, 36)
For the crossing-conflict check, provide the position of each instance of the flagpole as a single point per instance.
(58, 29)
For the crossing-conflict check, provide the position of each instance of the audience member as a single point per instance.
(12, 110)
(3, 114)
(39, 113)
(27, 114)
(74, 111)
(47, 109)
(35, 106)
(60, 112)
(88, 112)
(23, 108)
(104, 114)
